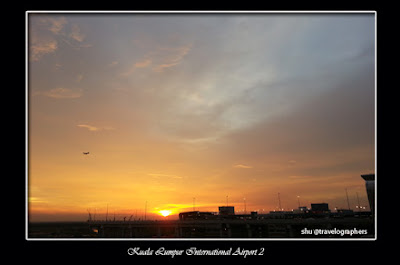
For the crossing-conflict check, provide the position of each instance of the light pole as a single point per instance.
(244, 199)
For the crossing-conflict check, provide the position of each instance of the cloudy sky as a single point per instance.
(173, 107)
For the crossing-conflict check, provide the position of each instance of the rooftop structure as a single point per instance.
(196, 215)
(320, 208)
(226, 210)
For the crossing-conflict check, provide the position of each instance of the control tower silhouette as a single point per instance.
(370, 186)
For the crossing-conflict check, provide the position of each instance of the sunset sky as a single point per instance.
(173, 107)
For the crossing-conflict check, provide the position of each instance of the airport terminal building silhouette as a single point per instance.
(227, 224)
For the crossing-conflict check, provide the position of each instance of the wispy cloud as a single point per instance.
(93, 128)
(89, 127)
(164, 175)
(40, 47)
(75, 45)
(43, 42)
(292, 163)
(113, 63)
(56, 24)
(37, 200)
(76, 33)
(62, 93)
(47, 32)
(143, 64)
(79, 78)
(57, 66)
(242, 166)
(161, 67)
(160, 59)
(171, 57)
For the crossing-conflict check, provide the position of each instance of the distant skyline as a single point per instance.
(173, 107)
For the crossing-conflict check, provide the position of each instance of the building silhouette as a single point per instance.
(227, 224)
(226, 210)
(370, 186)
(320, 208)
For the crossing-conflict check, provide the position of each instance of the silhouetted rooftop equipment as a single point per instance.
(226, 210)
(320, 207)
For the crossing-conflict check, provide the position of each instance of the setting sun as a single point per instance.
(165, 213)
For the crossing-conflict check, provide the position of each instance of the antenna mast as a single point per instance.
(279, 199)
(145, 210)
(348, 203)
(90, 216)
